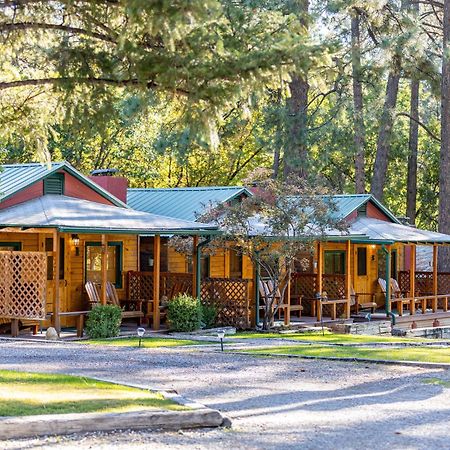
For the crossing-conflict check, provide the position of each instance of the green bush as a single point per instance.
(209, 316)
(184, 313)
(103, 321)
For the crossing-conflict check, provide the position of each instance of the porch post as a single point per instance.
(435, 278)
(195, 262)
(348, 280)
(257, 278)
(104, 267)
(319, 278)
(287, 311)
(412, 280)
(57, 299)
(156, 278)
(387, 301)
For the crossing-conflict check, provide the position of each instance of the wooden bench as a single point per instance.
(15, 327)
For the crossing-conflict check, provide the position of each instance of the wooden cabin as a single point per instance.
(60, 229)
(343, 271)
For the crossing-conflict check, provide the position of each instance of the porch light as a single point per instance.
(221, 335)
(76, 243)
(140, 332)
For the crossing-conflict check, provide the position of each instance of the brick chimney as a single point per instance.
(108, 180)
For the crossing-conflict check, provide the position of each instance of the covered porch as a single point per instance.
(369, 274)
(51, 246)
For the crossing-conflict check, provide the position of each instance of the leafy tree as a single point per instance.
(274, 227)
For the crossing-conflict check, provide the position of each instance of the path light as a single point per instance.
(221, 335)
(140, 333)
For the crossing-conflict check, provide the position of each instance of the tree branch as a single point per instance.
(49, 26)
(430, 133)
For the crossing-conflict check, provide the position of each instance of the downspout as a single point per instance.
(387, 277)
(198, 270)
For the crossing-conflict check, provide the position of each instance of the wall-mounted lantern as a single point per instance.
(76, 243)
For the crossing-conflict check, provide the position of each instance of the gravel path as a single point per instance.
(274, 403)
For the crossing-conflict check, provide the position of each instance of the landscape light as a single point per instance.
(221, 335)
(140, 333)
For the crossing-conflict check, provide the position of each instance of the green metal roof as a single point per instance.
(347, 203)
(182, 203)
(17, 177)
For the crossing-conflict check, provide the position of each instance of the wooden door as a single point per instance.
(362, 259)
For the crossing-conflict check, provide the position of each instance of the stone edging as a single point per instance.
(57, 424)
(429, 365)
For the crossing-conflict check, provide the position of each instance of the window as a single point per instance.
(382, 264)
(146, 257)
(362, 261)
(334, 262)
(54, 184)
(49, 248)
(10, 246)
(235, 264)
(204, 262)
(93, 262)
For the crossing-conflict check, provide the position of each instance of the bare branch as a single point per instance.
(430, 133)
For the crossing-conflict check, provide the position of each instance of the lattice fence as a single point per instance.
(173, 284)
(231, 298)
(424, 282)
(140, 285)
(23, 284)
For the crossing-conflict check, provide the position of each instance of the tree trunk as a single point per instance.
(384, 135)
(358, 117)
(444, 169)
(412, 158)
(295, 159)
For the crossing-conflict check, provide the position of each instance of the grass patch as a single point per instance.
(329, 337)
(25, 393)
(437, 381)
(436, 355)
(149, 342)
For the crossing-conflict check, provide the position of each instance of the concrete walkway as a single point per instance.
(275, 403)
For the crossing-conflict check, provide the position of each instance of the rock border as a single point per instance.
(199, 416)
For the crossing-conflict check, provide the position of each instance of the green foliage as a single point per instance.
(103, 321)
(184, 313)
(209, 316)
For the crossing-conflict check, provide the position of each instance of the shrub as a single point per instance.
(184, 313)
(209, 316)
(103, 321)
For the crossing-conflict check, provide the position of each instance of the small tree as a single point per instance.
(280, 221)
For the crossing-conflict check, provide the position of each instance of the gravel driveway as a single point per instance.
(274, 403)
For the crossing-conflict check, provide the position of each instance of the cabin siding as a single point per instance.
(31, 192)
(76, 188)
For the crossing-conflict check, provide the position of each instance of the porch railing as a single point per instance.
(305, 285)
(231, 297)
(424, 282)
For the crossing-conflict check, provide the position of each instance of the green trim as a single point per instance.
(119, 256)
(17, 246)
(143, 233)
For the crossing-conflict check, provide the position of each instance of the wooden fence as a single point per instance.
(23, 285)
(424, 282)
